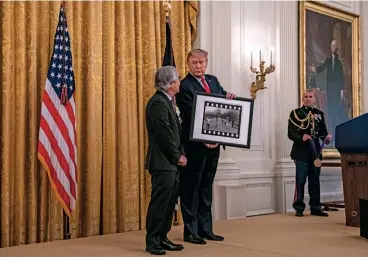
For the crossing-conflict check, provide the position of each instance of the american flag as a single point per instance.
(57, 148)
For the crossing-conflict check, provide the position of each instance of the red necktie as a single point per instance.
(205, 85)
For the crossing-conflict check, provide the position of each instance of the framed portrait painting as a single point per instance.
(216, 119)
(329, 63)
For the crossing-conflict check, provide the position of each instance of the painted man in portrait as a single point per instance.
(335, 87)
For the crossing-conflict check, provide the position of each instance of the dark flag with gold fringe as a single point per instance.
(170, 60)
(169, 52)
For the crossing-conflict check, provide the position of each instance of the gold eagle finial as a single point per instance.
(167, 7)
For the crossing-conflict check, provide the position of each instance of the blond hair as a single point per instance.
(198, 51)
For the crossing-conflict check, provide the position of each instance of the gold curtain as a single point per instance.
(116, 49)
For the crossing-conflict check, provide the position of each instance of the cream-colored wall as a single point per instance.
(261, 180)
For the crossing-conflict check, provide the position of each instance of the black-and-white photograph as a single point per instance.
(221, 119)
(216, 119)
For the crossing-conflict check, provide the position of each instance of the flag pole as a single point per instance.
(57, 96)
(66, 224)
(167, 8)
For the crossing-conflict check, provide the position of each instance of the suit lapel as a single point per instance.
(196, 83)
(171, 106)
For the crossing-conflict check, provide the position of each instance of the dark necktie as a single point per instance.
(173, 105)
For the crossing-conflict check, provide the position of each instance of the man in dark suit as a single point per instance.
(306, 128)
(197, 178)
(165, 153)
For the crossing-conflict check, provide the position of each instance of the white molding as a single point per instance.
(345, 5)
(221, 43)
(287, 47)
(260, 194)
(242, 195)
(242, 176)
(232, 204)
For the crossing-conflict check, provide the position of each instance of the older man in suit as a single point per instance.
(165, 154)
(197, 178)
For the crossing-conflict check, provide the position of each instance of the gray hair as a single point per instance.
(310, 90)
(165, 76)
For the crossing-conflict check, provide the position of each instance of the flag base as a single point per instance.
(66, 226)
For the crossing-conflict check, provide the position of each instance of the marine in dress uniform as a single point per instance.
(307, 129)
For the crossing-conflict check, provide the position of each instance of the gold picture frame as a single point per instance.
(322, 29)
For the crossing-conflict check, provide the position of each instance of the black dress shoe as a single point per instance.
(155, 250)
(166, 244)
(212, 236)
(299, 214)
(319, 213)
(194, 239)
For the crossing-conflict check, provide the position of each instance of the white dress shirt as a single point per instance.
(168, 96)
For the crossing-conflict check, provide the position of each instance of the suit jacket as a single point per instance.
(302, 150)
(184, 99)
(163, 128)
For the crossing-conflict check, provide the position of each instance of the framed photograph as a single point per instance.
(329, 63)
(216, 119)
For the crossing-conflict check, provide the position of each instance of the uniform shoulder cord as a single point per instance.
(307, 118)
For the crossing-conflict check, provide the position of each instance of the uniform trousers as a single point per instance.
(304, 170)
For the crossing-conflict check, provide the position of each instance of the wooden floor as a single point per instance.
(274, 235)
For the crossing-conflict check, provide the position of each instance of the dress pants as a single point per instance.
(196, 181)
(306, 169)
(160, 212)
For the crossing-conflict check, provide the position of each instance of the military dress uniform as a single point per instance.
(307, 155)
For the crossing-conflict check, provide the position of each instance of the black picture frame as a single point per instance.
(216, 119)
